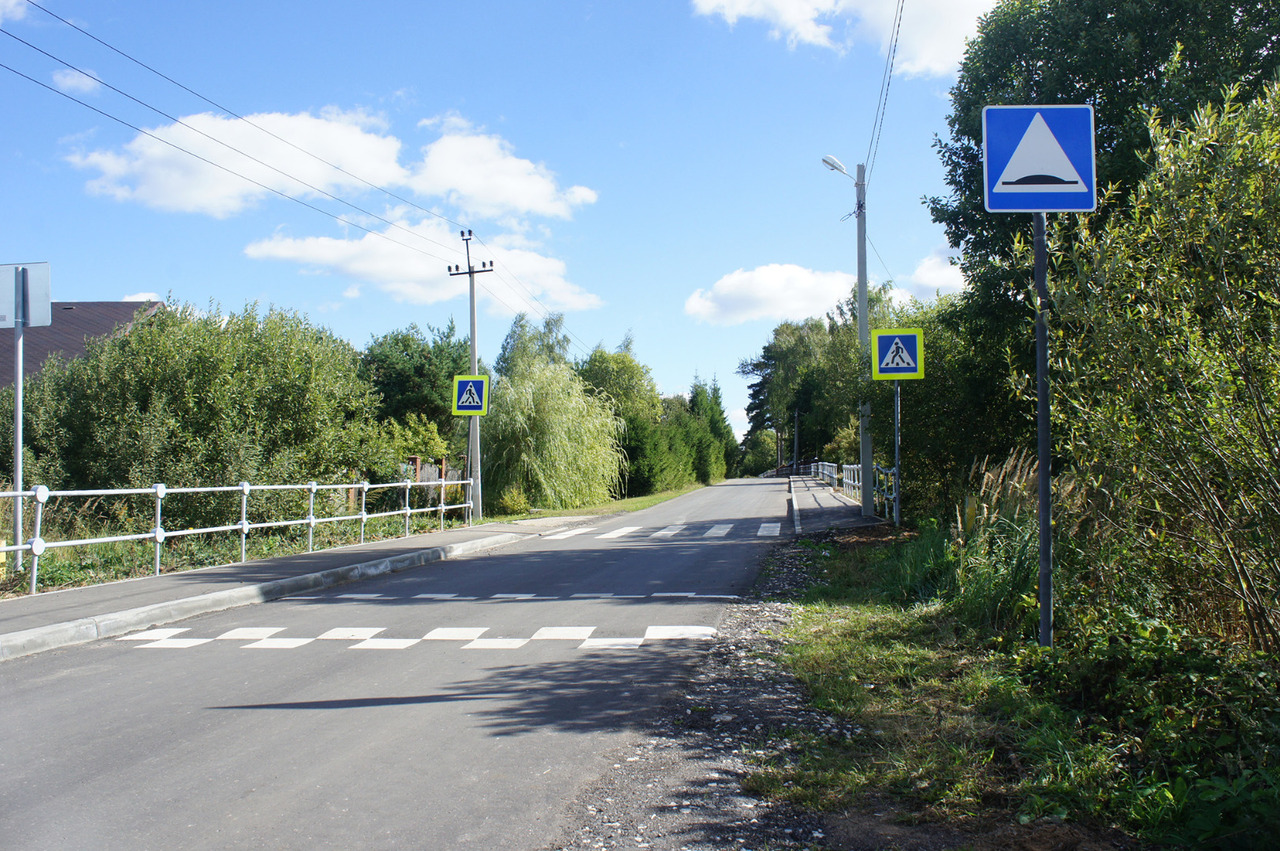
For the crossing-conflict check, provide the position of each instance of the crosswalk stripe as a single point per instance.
(278, 643)
(250, 633)
(565, 632)
(718, 531)
(569, 533)
(456, 633)
(385, 643)
(769, 530)
(618, 533)
(360, 633)
(655, 633)
(668, 532)
(496, 644)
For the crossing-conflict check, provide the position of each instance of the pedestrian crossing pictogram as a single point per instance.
(898, 356)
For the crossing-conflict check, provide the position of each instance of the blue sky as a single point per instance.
(651, 168)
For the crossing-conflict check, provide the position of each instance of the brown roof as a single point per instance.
(73, 322)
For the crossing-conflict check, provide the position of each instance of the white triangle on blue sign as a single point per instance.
(897, 357)
(1039, 164)
(469, 397)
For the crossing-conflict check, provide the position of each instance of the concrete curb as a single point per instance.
(54, 636)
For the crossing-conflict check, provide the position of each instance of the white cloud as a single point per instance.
(75, 82)
(480, 174)
(143, 297)
(931, 39)
(936, 274)
(474, 173)
(776, 292)
(397, 267)
(165, 177)
(12, 10)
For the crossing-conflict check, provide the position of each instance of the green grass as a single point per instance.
(938, 721)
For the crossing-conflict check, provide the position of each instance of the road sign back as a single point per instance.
(471, 395)
(897, 354)
(1038, 159)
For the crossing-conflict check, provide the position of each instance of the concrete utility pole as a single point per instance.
(473, 438)
(864, 332)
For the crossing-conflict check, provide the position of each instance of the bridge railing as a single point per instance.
(37, 545)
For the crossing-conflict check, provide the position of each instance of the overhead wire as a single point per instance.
(882, 102)
(508, 277)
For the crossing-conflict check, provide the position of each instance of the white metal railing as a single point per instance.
(886, 493)
(37, 545)
(829, 473)
(851, 480)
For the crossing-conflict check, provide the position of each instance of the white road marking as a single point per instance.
(674, 594)
(250, 633)
(568, 632)
(664, 633)
(496, 644)
(512, 596)
(669, 532)
(153, 634)
(610, 643)
(456, 633)
(177, 643)
(618, 533)
(440, 597)
(359, 596)
(278, 643)
(348, 633)
(718, 531)
(769, 530)
(385, 644)
(569, 533)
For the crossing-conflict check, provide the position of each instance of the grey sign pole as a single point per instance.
(1044, 441)
(19, 321)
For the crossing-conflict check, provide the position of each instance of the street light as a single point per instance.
(864, 332)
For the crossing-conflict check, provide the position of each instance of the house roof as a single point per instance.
(73, 322)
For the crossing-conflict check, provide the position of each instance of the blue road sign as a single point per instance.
(471, 395)
(898, 354)
(1038, 159)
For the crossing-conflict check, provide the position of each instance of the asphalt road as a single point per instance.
(453, 706)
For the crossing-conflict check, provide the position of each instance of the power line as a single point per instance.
(877, 125)
(508, 279)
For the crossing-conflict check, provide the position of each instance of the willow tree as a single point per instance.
(548, 442)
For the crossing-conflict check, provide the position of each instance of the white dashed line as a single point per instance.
(496, 644)
(385, 643)
(250, 633)
(359, 633)
(278, 643)
(456, 633)
(569, 533)
(579, 633)
(663, 633)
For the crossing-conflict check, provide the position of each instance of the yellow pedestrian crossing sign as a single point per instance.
(897, 354)
(471, 395)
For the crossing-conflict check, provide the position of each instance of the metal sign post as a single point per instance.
(1040, 159)
(32, 306)
(897, 354)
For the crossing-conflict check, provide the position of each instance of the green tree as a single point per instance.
(195, 398)
(413, 371)
(1170, 369)
(629, 387)
(1121, 56)
(526, 344)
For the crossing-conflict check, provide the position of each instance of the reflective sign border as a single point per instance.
(877, 374)
(483, 381)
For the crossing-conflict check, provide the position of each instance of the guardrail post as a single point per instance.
(406, 508)
(245, 487)
(159, 528)
(311, 517)
(37, 543)
(364, 503)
